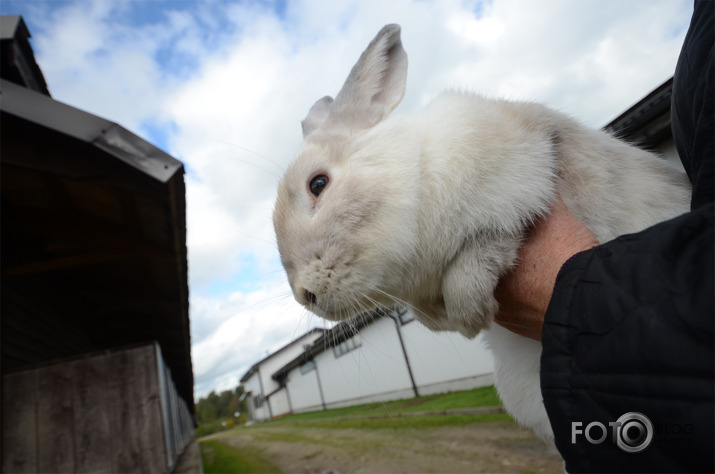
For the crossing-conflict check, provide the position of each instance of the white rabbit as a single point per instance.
(429, 210)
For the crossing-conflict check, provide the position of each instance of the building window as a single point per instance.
(258, 401)
(307, 367)
(347, 345)
(404, 316)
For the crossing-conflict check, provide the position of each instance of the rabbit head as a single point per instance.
(342, 219)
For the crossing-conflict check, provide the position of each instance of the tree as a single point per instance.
(215, 406)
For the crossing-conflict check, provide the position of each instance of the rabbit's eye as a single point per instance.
(317, 184)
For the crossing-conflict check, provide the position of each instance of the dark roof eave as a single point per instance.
(254, 367)
(249, 373)
(647, 122)
(334, 336)
(107, 136)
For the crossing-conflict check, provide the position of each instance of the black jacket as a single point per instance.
(630, 327)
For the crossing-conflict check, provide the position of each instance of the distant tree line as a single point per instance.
(215, 407)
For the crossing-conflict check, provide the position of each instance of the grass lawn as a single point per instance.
(405, 423)
(218, 457)
(479, 397)
(412, 435)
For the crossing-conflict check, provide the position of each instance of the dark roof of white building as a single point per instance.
(646, 123)
(331, 338)
(254, 368)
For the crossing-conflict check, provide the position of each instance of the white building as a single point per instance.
(266, 398)
(384, 355)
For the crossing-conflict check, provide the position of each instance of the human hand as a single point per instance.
(525, 292)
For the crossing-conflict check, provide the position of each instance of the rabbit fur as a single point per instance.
(428, 211)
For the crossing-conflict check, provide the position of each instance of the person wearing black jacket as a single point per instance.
(627, 327)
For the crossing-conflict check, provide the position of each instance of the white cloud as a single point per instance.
(227, 84)
(480, 31)
(232, 333)
(589, 59)
(98, 65)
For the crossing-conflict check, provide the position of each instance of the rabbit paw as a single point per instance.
(470, 280)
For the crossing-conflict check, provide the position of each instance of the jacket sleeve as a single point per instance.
(630, 329)
(630, 324)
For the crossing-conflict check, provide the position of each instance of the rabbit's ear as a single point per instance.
(316, 115)
(376, 83)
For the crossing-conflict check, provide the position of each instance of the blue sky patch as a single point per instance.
(248, 278)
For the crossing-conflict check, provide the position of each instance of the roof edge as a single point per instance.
(332, 337)
(109, 137)
(254, 367)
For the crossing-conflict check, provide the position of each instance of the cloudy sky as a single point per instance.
(223, 84)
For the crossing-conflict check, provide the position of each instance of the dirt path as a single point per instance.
(494, 446)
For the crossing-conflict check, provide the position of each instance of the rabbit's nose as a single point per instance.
(310, 298)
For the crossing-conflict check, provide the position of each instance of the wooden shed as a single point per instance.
(96, 351)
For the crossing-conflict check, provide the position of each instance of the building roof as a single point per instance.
(254, 367)
(331, 338)
(646, 123)
(89, 129)
(93, 222)
(17, 61)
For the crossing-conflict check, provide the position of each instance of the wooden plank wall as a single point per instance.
(99, 414)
